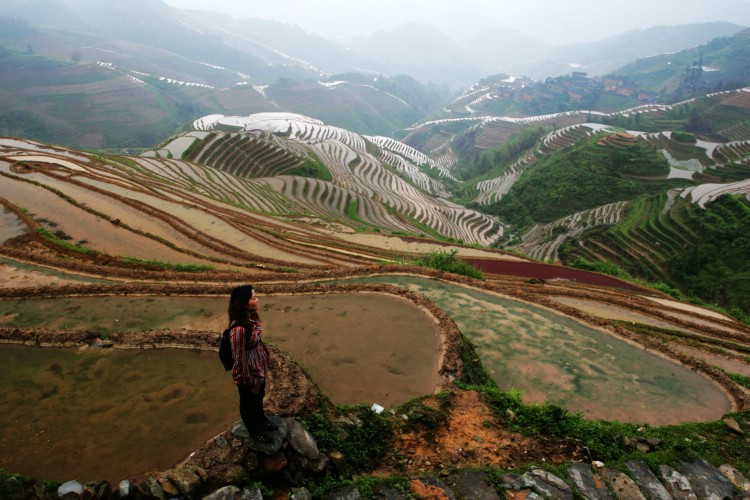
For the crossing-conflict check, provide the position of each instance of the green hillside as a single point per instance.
(83, 104)
(602, 170)
(701, 252)
(721, 63)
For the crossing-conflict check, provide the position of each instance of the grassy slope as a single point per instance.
(88, 105)
(586, 176)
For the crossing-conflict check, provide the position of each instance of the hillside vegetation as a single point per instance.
(562, 180)
(702, 251)
(604, 169)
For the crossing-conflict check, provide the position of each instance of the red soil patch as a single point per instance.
(548, 272)
(471, 436)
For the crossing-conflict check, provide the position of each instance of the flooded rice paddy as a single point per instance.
(550, 357)
(87, 229)
(108, 414)
(10, 225)
(359, 348)
(115, 405)
(70, 412)
(21, 274)
(614, 312)
(619, 313)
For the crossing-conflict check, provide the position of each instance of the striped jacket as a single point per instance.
(250, 355)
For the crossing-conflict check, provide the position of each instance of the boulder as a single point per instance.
(169, 489)
(588, 482)
(71, 489)
(300, 494)
(621, 485)
(316, 465)
(474, 484)
(302, 441)
(104, 491)
(677, 484)
(251, 493)
(226, 493)
(736, 477)
(277, 437)
(549, 484)
(707, 480)
(733, 425)
(647, 480)
(516, 482)
(186, 479)
(155, 489)
(124, 488)
(338, 464)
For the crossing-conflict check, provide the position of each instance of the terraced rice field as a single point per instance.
(550, 357)
(173, 211)
(361, 179)
(493, 190)
(495, 132)
(10, 226)
(56, 400)
(139, 390)
(541, 242)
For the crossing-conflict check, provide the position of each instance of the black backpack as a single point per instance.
(225, 350)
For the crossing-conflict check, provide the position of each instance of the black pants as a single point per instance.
(251, 408)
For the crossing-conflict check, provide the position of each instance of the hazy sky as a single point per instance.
(551, 21)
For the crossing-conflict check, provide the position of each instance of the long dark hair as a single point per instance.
(238, 310)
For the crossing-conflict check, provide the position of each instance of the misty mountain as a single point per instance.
(722, 62)
(503, 49)
(602, 57)
(88, 90)
(420, 50)
(158, 26)
(265, 51)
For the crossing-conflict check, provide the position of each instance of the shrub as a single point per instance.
(447, 261)
(603, 267)
(363, 444)
(681, 136)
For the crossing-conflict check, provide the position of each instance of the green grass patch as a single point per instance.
(61, 240)
(474, 372)
(448, 262)
(612, 441)
(362, 436)
(170, 266)
(604, 267)
(740, 379)
(312, 168)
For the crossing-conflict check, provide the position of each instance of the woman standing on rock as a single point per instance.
(250, 356)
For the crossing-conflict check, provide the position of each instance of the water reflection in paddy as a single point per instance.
(10, 225)
(551, 357)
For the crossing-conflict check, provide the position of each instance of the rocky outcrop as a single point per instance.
(231, 465)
